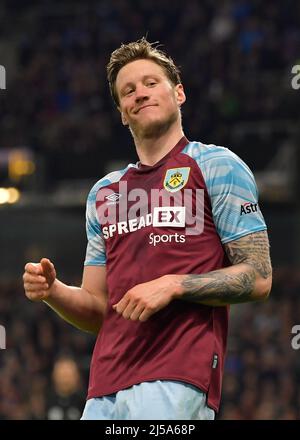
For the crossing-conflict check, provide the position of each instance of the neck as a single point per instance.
(152, 150)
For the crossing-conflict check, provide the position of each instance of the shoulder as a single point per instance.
(208, 153)
(113, 177)
(215, 160)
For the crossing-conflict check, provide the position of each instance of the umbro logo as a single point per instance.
(113, 198)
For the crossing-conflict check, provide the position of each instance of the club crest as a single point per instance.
(176, 178)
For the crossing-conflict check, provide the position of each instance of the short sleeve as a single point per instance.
(231, 188)
(95, 252)
(234, 196)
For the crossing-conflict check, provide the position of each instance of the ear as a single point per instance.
(180, 95)
(124, 120)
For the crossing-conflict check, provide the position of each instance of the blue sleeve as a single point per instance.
(95, 253)
(232, 191)
(96, 250)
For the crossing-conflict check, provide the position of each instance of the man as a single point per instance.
(172, 242)
(64, 399)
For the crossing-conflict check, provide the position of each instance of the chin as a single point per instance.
(154, 128)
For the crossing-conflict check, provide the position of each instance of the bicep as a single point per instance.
(252, 249)
(94, 281)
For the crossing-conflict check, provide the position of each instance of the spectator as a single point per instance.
(65, 400)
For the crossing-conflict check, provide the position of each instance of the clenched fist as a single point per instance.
(38, 279)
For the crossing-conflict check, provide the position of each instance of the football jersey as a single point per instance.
(170, 218)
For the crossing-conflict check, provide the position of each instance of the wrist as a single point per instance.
(176, 284)
(52, 292)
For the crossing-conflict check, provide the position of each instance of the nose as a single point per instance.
(141, 93)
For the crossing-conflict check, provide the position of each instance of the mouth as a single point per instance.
(145, 106)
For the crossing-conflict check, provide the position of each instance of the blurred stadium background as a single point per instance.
(60, 132)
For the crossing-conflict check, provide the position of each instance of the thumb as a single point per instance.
(48, 269)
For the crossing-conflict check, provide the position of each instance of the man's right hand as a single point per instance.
(38, 279)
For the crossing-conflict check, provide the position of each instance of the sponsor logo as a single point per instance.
(113, 198)
(165, 216)
(169, 216)
(248, 207)
(127, 226)
(155, 239)
(176, 178)
(127, 211)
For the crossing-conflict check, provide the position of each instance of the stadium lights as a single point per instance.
(20, 164)
(9, 195)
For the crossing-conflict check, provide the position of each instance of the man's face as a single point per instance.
(149, 103)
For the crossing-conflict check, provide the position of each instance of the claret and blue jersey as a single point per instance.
(140, 225)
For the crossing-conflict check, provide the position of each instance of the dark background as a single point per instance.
(60, 133)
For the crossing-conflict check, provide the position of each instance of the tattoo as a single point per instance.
(221, 287)
(252, 249)
(218, 286)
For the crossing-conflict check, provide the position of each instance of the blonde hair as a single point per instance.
(139, 50)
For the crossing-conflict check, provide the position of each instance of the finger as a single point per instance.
(31, 287)
(129, 309)
(34, 268)
(48, 267)
(34, 296)
(121, 305)
(29, 278)
(137, 313)
(146, 314)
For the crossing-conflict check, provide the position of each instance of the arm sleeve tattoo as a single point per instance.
(224, 286)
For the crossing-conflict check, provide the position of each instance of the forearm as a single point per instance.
(248, 279)
(77, 306)
(235, 284)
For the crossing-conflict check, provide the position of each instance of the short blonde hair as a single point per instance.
(139, 50)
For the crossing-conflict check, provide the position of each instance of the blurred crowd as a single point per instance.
(262, 373)
(44, 369)
(235, 59)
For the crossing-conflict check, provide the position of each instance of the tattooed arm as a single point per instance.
(248, 279)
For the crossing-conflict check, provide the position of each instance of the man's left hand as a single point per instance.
(143, 300)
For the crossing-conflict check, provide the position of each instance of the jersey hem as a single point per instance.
(201, 387)
(94, 264)
(243, 234)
